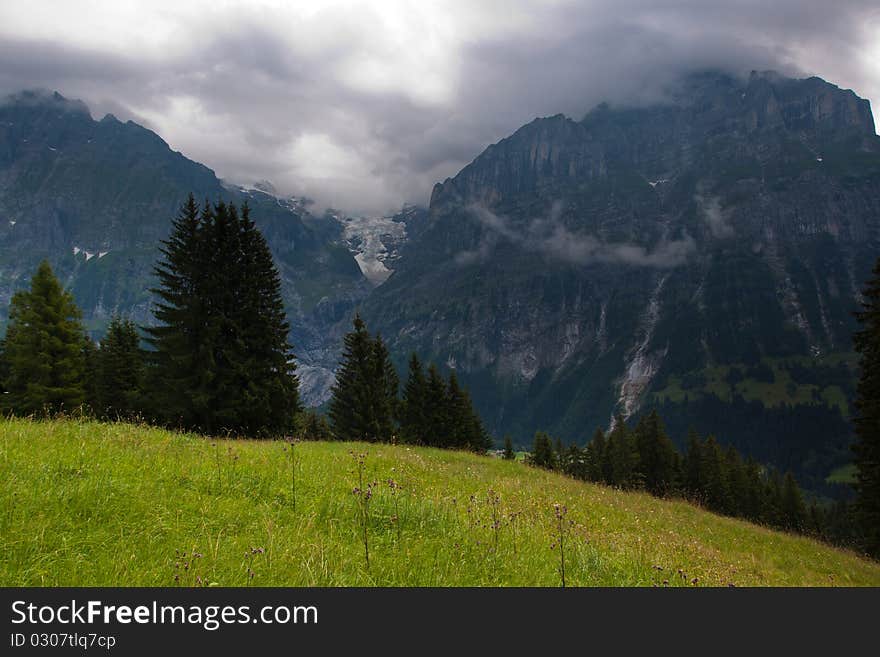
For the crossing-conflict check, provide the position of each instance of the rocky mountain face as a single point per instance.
(701, 254)
(96, 197)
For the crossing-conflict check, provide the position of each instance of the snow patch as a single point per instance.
(76, 250)
(654, 183)
(89, 255)
(101, 254)
(12, 223)
(369, 239)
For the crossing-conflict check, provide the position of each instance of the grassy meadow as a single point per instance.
(96, 504)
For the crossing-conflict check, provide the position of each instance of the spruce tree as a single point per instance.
(694, 470)
(542, 451)
(221, 361)
(385, 386)
(509, 454)
(794, 510)
(656, 454)
(120, 371)
(596, 456)
(867, 421)
(413, 408)
(437, 421)
(351, 412)
(623, 457)
(44, 352)
(314, 426)
(178, 366)
(716, 476)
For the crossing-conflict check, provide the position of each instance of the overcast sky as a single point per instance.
(365, 105)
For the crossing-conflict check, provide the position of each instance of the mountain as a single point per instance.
(702, 255)
(96, 197)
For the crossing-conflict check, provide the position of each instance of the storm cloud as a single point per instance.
(364, 106)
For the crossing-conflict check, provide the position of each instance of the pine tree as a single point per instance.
(92, 375)
(414, 412)
(120, 371)
(656, 454)
(794, 510)
(509, 454)
(716, 476)
(44, 352)
(694, 469)
(737, 479)
(623, 457)
(385, 387)
(221, 360)
(595, 456)
(457, 414)
(542, 451)
(178, 365)
(351, 411)
(436, 418)
(867, 421)
(314, 426)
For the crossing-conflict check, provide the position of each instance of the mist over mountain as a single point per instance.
(704, 255)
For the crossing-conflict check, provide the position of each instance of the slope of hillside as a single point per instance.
(114, 504)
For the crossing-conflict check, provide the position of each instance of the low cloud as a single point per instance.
(710, 210)
(551, 238)
(364, 105)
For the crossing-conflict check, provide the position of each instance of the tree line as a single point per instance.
(367, 404)
(217, 358)
(644, 457)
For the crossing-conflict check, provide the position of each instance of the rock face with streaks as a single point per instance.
(579, 268)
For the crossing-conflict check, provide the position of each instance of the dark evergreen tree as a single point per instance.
(351, 411)
(595, 456)
(794, 510)
(437, 420)
(737, 483)
(384, 387)
(221, 361)
(314, 426)
(509, 454)
(694, 469)
(867, 420)
(120, 371)
(542, 451)
(623, 457)
(573, 462)
(414, 412)
(715, 468)
(92, 375)
(458, 414)
(656, 454)
(44, 352)
(179, 367)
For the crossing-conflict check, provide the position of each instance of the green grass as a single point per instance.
(782, 390)
(845, 474)
(86, 504)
